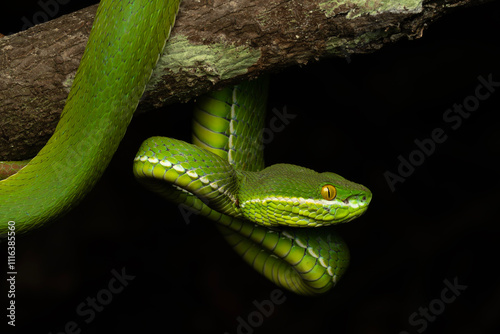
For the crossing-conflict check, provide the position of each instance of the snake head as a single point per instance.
(295, 196)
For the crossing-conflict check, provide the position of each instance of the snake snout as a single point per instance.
(359, 200)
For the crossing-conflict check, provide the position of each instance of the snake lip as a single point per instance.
(361, 199)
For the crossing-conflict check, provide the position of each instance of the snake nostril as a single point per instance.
(364, 198)
(346, 201)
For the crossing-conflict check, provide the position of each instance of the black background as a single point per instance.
(354, 116)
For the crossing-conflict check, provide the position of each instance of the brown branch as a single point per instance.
(214, 43)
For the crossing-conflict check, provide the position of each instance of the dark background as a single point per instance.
(355, 116)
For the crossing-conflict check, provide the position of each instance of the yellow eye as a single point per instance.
(328, 192)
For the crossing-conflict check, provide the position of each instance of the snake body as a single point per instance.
(124, 45)
(222, 176)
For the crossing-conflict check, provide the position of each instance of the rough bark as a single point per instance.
(214, 43)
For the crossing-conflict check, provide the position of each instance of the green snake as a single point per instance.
(221, 176)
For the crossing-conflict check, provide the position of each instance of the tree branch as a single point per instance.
(214, 43)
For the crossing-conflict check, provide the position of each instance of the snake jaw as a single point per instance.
(302, 212)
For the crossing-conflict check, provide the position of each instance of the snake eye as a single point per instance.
(328, 192)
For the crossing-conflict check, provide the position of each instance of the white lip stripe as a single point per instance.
(290, 200)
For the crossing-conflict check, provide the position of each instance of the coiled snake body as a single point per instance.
(221, 176)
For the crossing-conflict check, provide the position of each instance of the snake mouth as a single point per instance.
(348, 209)
(358, 202)
(301, 212)
(272, 210)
